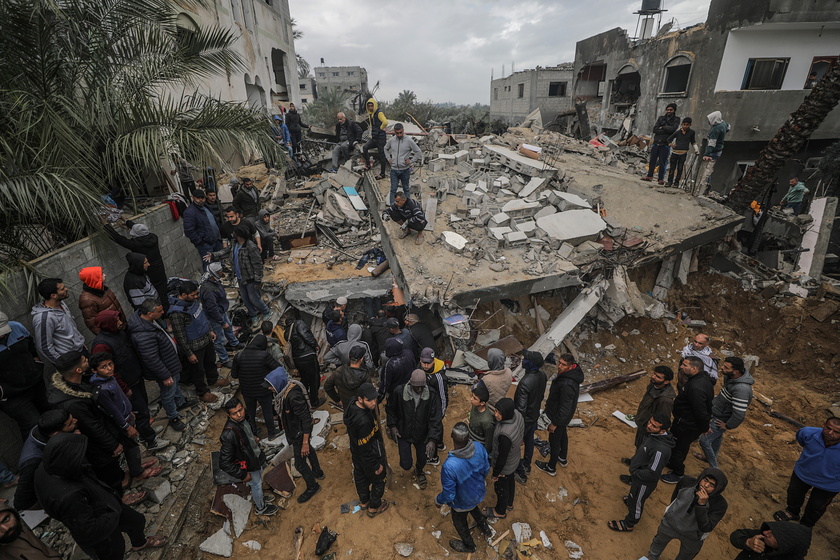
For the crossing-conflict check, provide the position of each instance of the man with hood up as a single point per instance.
(527, 399)
(17, 541)
(664, 127)
(215, 303)
(507, 437)
(55, 330)
(292, 405)
(714, 149)
(774, 540)
(96, 297)
(267, 235)
(70, 492)
(728, 408)
(251, 366)
(397, 369)
(340, 353)
(498, 378)
(377, 124)
(141, 240)
(137, 285)
(697, 506)
(560, 407)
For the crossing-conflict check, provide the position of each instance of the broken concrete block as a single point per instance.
(499, 232)
(565, 251)
(321, 423)
(545, 211)
(219, 543)
(158, 488)
(318, 443)
(532, 186)
(488, 337)
(568, 201)
(453, 241)
(528, 227)
(572, 226)
(515, 239)
(347, 178)
(477, 162)
(240, 509)
(462, 155)
(254, 545)
(521, 208)
(437, 165)
(470, 187)
(588, 247)
(499, 220)
(521, 531)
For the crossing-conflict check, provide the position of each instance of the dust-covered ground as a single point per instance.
(797, 364)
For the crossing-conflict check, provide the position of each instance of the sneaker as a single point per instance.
(625, 478)
(544, 467)
(227, 363)
(188, 403)
(221, 382)
(647, 178)
(208, 398)
(420, 478)
(266, 316)
(670, 478)
(157, 444)
(268, 509)
(441, 446)
(459, 546)
(308, 493)
(485, 529)
(661, 182)
(177, 425)
(562, 463)
(626, 460)
(433, 461)
(373, 512)
(269, 498)
(668, 184)
(520, 478)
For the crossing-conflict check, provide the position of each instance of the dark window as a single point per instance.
(765, 73)
(677, 71)
(302, 86)
(521, 90)
(557, 89)
(495, 93)
(351, 73)
(303, 100)
(819, 67)
(335, 74)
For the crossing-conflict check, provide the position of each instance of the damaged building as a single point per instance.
(751, 60)
(549, 90)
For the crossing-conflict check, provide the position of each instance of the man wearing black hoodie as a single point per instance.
(527, 400)
(397, 369)
(665, 126)
(250, 367)
(775, 540)
(136, 284)
(141, 240)
(560, 407)
(305, 356)
(367, 448)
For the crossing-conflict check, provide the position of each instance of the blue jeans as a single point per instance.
(204, 249)
(256, 489)
(171, 397)
(710, 443)
(400, 177)
(223, 335)
(250, 294)
(658, 155)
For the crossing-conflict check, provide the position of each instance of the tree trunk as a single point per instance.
(583, 121)
(788, 140)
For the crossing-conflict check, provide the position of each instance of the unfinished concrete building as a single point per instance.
(549, 89)
(751, 60)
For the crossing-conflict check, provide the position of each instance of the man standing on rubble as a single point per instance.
(527, 399)
(343, 384)
(394, 331)
(305, 356)
(692, 412)
(347, 134)
(401, 152)
(409, 215)
(658, 399)
(728, 408)
(200, 226)
(700, 348)
(795, 196)
(377, 123)
(560, 407)
(680, 141)
(665, 126)
(714, 149)
(367, 449)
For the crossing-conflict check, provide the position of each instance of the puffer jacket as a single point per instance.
(116, 341)
(19, 372)
(237, 457)
(529, 395)
(96, 297)
(136, 284)
(26, 546)
(156, 349)
(251, 366)
(301, 340)
(197, 226)
(376, 121)
(68, 491)
(794, 541)
(561, 404)
(340, 353)
(250, 261)
(664, 127)
(417, 423)
(342, 385)
(462, 477)
(214, 299)
(397, 369)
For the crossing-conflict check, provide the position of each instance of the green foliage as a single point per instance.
(830, 168)
(330, 102)
(464, 119)
(95, 94)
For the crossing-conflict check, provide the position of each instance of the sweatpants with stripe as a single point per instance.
(639, 493)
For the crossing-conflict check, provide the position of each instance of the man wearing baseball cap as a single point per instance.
(367, 449)
(435, 371)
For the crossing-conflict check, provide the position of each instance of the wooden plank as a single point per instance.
(430, 211)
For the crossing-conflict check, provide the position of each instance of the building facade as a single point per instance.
(549, 89)
(347, 78)
(751, 60)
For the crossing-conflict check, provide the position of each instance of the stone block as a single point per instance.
(515, 239)
(240, 509)
(528, 227)
(572, 226)
(461, 155)
(499, 219)
(158, 488)
(568, 201)
(565, 251)
(453, 241)
(219, 543)
(545, 211)
(437, 164)
(500, 232)
(521, 208)
(477, 162)
(532, 186)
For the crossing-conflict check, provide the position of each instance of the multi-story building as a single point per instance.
(751, 60)
(347, 78)
(548, 89)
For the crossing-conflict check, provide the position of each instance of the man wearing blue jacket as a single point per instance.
(200, 226)
(462, 479)
(817, 470)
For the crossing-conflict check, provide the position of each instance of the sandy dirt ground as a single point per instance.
(797, 370)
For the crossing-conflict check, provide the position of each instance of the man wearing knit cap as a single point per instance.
(527, 400)
(415, 420)
(665, 126)
(482, 421)
(200, 226)
(96, 297)
(367, 449)
(505, 457)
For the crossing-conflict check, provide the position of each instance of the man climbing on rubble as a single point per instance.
(729, 408)
(700, 348)
(348, 133)
(233, 218)
(560, 407)
(215, 303)
(795, 197)
(401, 152)
(664, 127)
(377, 124)
(527, 399)
(407, 213)
(680, 141)
(367, 449)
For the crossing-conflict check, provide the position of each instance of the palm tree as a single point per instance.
(330, 102)
(94, 95)
(789, 140)
(303, 67)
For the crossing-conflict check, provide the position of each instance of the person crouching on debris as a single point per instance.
(401, 152)
(292, 405)
(241, 456)
(367, 449)
(463, 487)
(408, 214)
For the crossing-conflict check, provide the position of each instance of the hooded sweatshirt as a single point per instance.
(264, 227)
(462, 477)
(55, 331)
(499, 378)
(685, 517)
(716, 134)
(252, 365)
(25, 546)
(730, 405)
(397, 370)
(339, 354)
(794, 541)
(343, 384)
(561, 404)
(507, 437)
(377, 123)
(136, 284)
(96, 297)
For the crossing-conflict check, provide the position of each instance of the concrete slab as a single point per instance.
(219, 543)
(499, 219)
(430, 210)
(572, 226)
(521, 208)
(570, 317)
(240, 510)
(816, 239)
(546, 211)
(569, 201)
(455, 242)
(532, 186)
(518, 162)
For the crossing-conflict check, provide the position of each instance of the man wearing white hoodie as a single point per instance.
(55, 330)
(714, 149)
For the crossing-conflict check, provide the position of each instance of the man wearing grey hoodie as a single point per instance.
(728, 408)
(340, 353)
(697, 506)
(401, 152)
(55, 330)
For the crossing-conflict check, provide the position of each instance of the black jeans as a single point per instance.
(296, 136)
(658, 156)
(140, 406)
(559, 442)
(817, 503)
(267, 248)
(505, 489)
(379, 144)
(133, 524)
(459, 519)
(369, 486)
(310, 375)
(308, 466)
(405, 454)
(202, 373)
(528, 453)
(677, 164)
(26, 409)
(684, 436)
(266, 403)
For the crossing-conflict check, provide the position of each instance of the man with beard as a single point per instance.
(17, 541)
(367, 449)
(55, 330)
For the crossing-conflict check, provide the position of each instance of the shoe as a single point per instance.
(626, 460)
(668, 184)
(700, 457)
(157, 445)
(419, 241)
(543, 466)
(647, 178)
(332, 170)
(562, 463)
(670, 478)
(308, 493)
(208, 398)
(441, 447)
(188, 403)
(321, 401)
(233, 347)
(625, 478)
(459, 546)
(268, 509)
(382, 507)
(661, 182)
(320, 475)
(177, 425)
(520, 478)
(433, 461)
(227, 363)
(221, 382)
(266, 316)
(269, 498)
(485, 529)
(403, 234)
(420, 478)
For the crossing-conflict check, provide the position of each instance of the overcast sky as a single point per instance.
(444, 50)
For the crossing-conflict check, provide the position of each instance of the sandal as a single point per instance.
(149, 472)
(620, 526)
(380, 177)
(490, 513)
(785, 515)
(150, 462)
(134, 498)
(155, 541)
(700, 457)
(374, 512)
